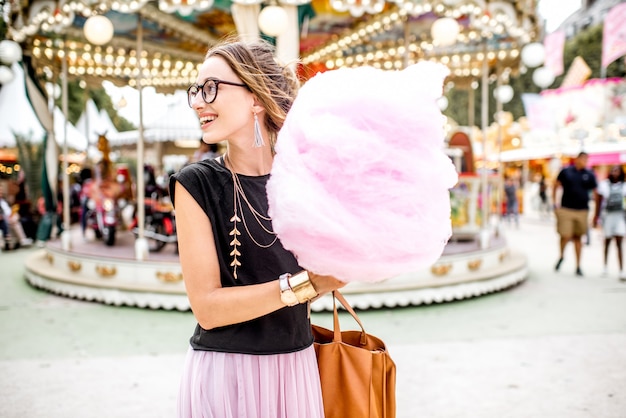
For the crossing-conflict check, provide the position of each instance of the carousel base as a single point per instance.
(111, 275)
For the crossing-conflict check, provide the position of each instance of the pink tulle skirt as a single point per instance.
(226, 385)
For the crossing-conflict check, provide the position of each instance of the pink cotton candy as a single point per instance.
(359, 185)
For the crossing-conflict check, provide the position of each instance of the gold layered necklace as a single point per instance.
(239, 195)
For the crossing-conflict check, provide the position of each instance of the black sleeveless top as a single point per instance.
(283, 331)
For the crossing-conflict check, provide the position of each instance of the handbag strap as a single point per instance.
(336, 329)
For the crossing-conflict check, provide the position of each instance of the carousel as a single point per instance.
(161, 44)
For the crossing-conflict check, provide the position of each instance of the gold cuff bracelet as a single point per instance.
(302, 286)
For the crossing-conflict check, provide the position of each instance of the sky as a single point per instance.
(153, 102)
(556, 11)
(553, 11)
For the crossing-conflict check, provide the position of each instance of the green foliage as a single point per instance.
(31, 160)
(121, 124)
(3, 27)
(76, 101)
(458, 106)
(459, 99)
(103, 101)
(521, 84)
(588, 45)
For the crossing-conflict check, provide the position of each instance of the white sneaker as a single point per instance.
(26, 242)
(622, 276)
(605, 272)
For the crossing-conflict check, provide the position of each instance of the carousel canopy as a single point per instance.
(165, 41)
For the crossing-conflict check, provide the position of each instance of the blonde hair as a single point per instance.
(275, 86)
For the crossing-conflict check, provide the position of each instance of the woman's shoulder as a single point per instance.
(201, 176)
(202, 170)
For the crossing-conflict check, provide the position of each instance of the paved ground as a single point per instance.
(555, 346)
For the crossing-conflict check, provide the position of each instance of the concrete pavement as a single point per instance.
(554, 346)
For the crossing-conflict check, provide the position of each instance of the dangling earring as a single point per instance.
(258, 137)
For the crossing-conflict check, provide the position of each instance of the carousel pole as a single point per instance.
(141, 244)
(407, 34)
(66, 239)
(500, 191)
(470, 107)
(484, 111)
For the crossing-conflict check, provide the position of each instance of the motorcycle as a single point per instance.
(102, 217)
(102, 204)
(159, 224)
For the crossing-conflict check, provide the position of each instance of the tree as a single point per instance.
(103, 101)
(31, 157)
(588, 45)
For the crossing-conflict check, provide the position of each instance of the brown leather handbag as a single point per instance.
(357, 374)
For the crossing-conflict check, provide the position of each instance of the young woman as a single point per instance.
(251, 353)
(610, 213)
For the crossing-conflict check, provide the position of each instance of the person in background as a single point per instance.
(10, 223)
(512, 204)
(5, 209)
(205, 151)
(252, 351)
(86, 184)
(22, 194)
(609, 212)
(572, 216)
(75, 190)
(152, 188)
(544, 209)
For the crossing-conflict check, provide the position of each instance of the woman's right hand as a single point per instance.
(325, 284)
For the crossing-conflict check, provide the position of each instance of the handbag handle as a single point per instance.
(337, 331)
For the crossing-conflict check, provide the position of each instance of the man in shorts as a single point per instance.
(572, 217)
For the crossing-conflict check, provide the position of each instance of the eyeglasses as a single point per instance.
(208, 89)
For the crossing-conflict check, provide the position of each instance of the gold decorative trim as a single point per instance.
(474, 265)
(503, 255)
(169, 277)
(441, 269)
(74, 265)
(106, 271)
(50, 258)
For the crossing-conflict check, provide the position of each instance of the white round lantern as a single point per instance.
(10, 51)
(533, 54)
(503, 93)
(543, 77)
(98, 30)
(6, 75)
(442, 102)
(273, 20)
(340, 5)
(445, 31)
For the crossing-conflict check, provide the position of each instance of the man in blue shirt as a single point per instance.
(572, 217)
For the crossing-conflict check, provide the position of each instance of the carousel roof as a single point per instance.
(175, 35)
